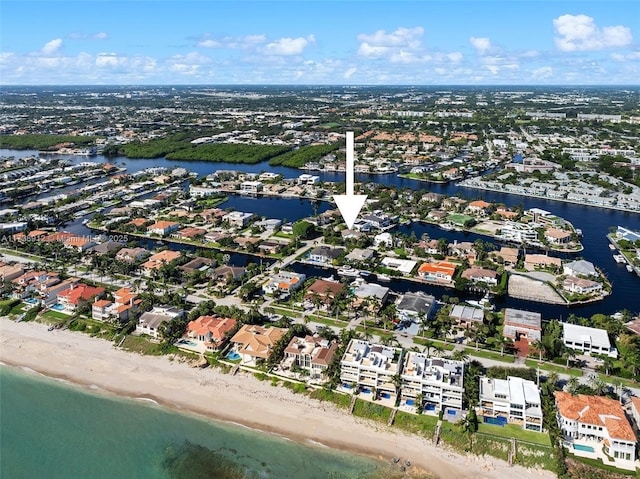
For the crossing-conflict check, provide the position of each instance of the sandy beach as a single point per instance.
(241, 399)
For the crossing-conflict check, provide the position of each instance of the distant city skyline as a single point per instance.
(320, 42)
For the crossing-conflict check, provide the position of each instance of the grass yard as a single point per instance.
(141, 345)
(514, 431)
(490, 355)
(458, 219)
(55, 315)
(553, 368)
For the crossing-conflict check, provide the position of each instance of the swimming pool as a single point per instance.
(580, 447)
(188, 343)
(31, 301)
(232, 355)
(58, 307)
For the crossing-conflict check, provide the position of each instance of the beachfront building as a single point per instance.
(254, 343)
(587, 340)
(77, 295)
(438, 382)
(150, 321)
(596, 423)
(210, 332)
(124, 304)
(512, 400)
(369, 368)
(519, 324)
(312, 354)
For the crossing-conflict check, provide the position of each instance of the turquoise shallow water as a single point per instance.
(49, 429)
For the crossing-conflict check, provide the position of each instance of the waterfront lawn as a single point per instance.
(18, 308)
(458, 219)
(481, 353)
(343, 401)
(369, 410)
(516, 432)
(55, 315)
(139, 344)
(421, 424)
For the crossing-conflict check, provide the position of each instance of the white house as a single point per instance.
(511, 400)
(150, 321)
(383, 239)
(580, 267)
(239, 219)
(588, 340)
(251, 186)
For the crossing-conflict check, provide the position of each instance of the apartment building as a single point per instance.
(587, 340)
(438, 380)
(370, 368)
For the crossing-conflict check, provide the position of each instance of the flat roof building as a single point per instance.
(513, 400)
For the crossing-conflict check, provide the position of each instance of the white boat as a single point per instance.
(446, 227)
(619, 258)
(383, 277)
(85, 221)
(612, 247)
(348, 271)
(630, 268)
(483, 303)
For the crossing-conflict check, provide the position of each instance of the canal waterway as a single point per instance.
(594, 222)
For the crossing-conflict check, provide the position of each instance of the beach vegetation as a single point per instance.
(369, 410)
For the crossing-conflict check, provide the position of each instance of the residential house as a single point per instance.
(557, 236)
(311, 353)
(122, 308)
(360, 255)
(77, 295)
(9, 272)
(581, 285)
(238, 219)
(438, 380)
(370, 368)
(150, 321)
(163, 228)
(519, 324)
(197, 264)
(439, 271)
(512, 400)
(326, 290)
(283, 282)
(476, 275)
(79, 243)
(597, 421)
(372, 292)
(325, 254)
(255, 343)
(378, 219)
(587, 340)
(518, 233)
(189, 233)
(541, 260)
(580, 267)
(202, 191)
(157, 260)
(225, 271)
(132, 255)
(509, 255)
(383, 239)
(467, 316)
(411, 306)
(251, 187)
(106, 247)
(212, 332)
(478, 207)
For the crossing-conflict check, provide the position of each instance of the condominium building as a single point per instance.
(370, 367)
(438, 380)
(512, 400)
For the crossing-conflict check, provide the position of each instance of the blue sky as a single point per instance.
(320, 42)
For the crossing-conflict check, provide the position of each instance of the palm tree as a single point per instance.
(428, 344)
(553, 378)
(540, 347)
(572, 385)
(419, 403)
(599, 387)
(568, 354)
(607, 364)
(438, 350)
(423, 322)
(460, 355)
(396, 379)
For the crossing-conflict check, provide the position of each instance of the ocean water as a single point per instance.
(49, 429)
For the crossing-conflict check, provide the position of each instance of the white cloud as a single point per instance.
(289, 46)
(88, 36)
(236, 43)
(542, 73)
(397, 44)
(350, 72)
(580, 33)
(455, 57)
(481, 44)
(52, 47)
(629, 57)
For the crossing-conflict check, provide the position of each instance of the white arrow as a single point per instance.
(349, 204)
